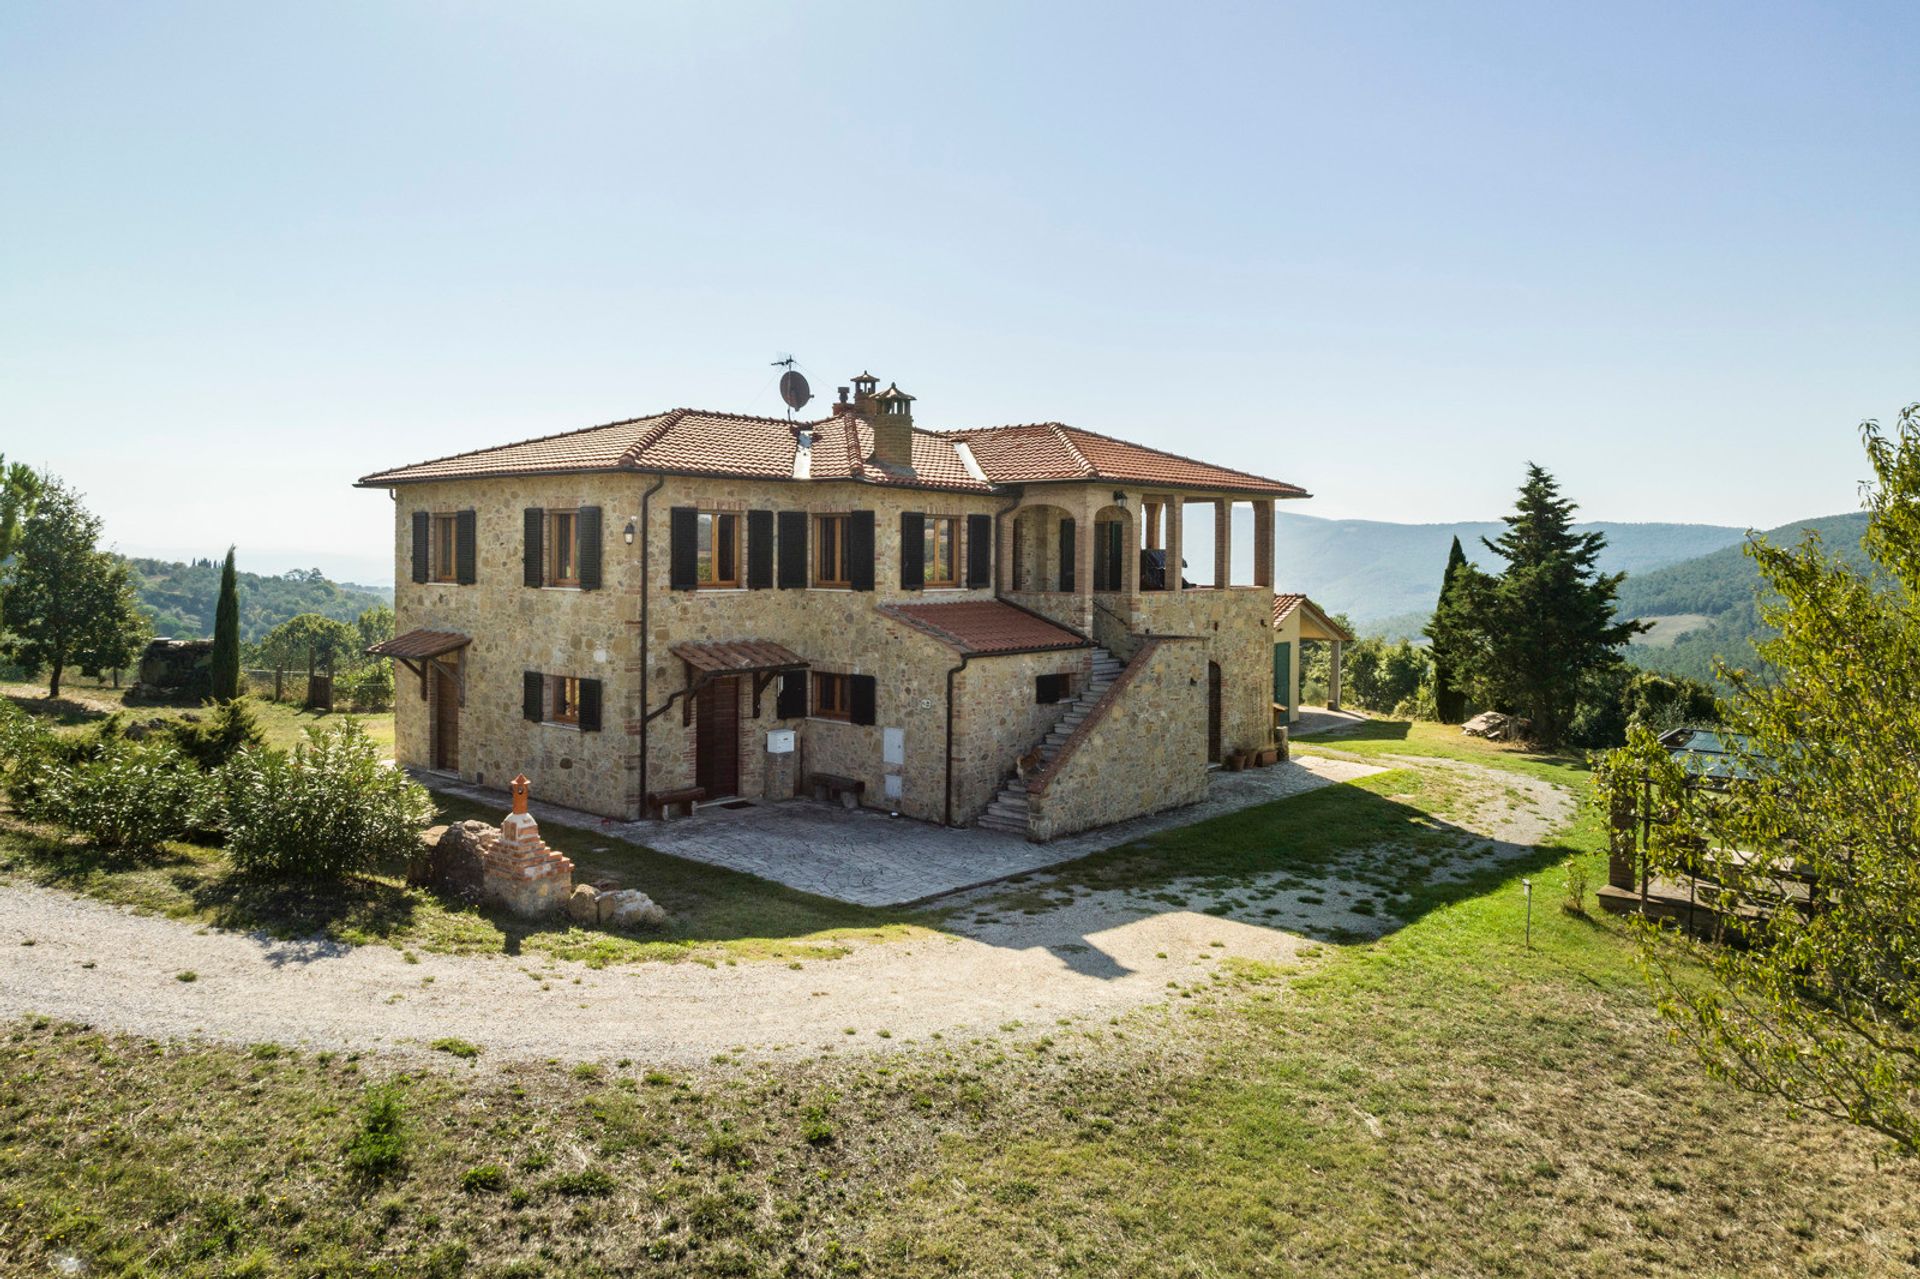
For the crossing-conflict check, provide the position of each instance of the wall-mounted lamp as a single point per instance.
(1119, 498)
(628, 532)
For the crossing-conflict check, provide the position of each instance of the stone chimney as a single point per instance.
(892, 420)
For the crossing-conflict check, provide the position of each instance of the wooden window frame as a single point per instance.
(563, 691)
(555, 544)
(832, 696)
(709, 559)
(841, 523)
(929, 540)
(443, 547)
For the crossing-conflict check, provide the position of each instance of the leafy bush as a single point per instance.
(331, 808)
(228, 729)
(380, 1146)
(370, 688)
(129, 795)
(484, 1179)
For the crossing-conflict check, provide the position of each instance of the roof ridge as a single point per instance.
(514, 444)
(630, 456)
(1087, 469)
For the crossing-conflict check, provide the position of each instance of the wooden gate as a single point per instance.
(1213, 712)
(716, 738)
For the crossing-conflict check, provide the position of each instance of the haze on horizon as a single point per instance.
(253, 252)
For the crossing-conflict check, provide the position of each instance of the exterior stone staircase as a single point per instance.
(1008, 811)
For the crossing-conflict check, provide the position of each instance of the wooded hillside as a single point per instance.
(180, 598)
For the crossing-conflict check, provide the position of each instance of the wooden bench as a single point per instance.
(662, 803)
(847, 790)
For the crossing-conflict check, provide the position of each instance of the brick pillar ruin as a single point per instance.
(518, 870)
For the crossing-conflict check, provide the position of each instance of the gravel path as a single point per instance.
(1099, 954)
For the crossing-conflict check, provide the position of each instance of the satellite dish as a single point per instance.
(794, 389)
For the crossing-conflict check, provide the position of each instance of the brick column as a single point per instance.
(1176, 538)
(1263, 543)
(1130, 556)
(1222, 543)
(1150, 513)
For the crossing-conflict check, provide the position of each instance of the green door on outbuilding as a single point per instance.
(1283, 674)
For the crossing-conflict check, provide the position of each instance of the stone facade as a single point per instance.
(902, 758)
(1144, 749)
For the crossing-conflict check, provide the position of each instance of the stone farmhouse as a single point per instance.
(963, 626)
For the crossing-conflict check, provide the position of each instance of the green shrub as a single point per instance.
(331, 808)
(129, 795)
(484, 1180)
(229, 728)
(370, 688)
(380, 1146)
(456, 1047)
(588, 1183)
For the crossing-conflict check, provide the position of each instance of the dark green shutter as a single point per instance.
(465, 537)
(793, 550)
(683, 548)
(422, 536)
(589, 705)
(863, 695)
(533, 689)
(793, 696)
(589, 528)
(1067, 554)
(533, 566)
(913, 550)
(860, 550)
(759, 550)
(979, 550)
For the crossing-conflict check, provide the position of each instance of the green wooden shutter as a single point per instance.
(465, 548)
(683, 548)
(589, 705)
(533, 695)
(533, 567)
(863, 697)
(913, 550)
(422, 535)
(589, 528)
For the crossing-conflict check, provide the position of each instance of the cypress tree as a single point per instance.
(226, 635)
(1449, 691)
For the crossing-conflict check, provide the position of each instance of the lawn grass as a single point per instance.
(85, 703)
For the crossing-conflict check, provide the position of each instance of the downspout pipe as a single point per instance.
(964, 659)
(646, 637)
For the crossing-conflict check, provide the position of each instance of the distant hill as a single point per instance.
(180, 598)
(1386, 577)
(1705, 608)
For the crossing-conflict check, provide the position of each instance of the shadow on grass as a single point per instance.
(62, 712)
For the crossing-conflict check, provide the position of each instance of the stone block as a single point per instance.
(583, 905)
(630, 908)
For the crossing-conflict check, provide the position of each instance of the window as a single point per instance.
(717, 549)
(832, 696)
(563, 699)
(563, 548)
(445, 561)
(832, 566)
(1049, 689)
(941, 538)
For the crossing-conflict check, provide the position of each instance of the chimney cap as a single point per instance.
(865, 377)
(893, 392)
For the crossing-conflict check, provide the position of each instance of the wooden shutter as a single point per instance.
(683, 548)
(793, 550)
(862, 698)
(759, 550)
(860, 551)
(535, 569)
(979, 550)
(1067, 554)
(792, 703)
(422, 536)
(589, 705)
(589, 528)
(465, 538)
(913, 550)
(533, 695)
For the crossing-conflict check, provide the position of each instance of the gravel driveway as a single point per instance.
(1102, 953)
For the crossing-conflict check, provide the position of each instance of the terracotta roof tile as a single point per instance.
(416, 645)
(985, 626)
(701, 442)
(737, 656)
(1285, 604)
(1047, 451)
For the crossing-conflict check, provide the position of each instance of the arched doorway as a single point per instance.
(1213, 712)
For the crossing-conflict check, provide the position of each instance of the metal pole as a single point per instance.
(1528, 885)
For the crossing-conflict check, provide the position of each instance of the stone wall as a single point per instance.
(1146, 752)
(1236, 627)
(997, 720)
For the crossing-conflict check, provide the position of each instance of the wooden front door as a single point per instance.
(446, 720)
(716, 738)
(1213, 712)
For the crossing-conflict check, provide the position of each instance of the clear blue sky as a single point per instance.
(249, 252)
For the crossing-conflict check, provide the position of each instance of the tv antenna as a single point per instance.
(793, 386)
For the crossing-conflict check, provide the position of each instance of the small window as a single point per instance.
(831, 565)
(563, 548)
(717, 550)
(940, 535)
(832, 696)
(444, 558)
(563, 699)
(1048, 689)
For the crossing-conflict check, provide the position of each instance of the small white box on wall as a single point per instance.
(780, 741)
(891, 787)
(893, 745)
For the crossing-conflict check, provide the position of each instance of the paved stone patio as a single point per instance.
(869, 859)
